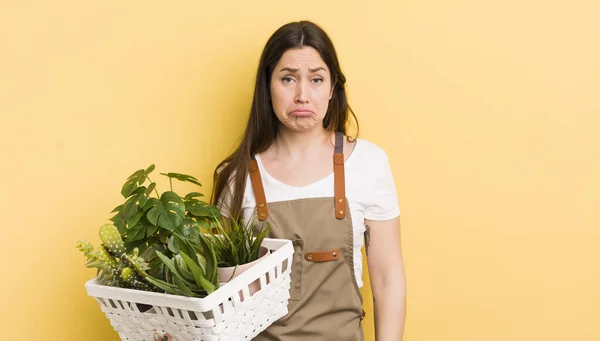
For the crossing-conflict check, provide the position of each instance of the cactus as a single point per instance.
(106, 257)
(140, 285)
(113, 243)
(132, 278)
(111, 238)
(115, 267)
(127, 275)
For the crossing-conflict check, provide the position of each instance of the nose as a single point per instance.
(301, 93)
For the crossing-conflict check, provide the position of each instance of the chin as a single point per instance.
(300, 128)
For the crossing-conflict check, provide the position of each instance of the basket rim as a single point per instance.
(282, 250)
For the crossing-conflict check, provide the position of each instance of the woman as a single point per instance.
(296, 169)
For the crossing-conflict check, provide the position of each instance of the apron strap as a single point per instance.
(339, 177)
(259, 190)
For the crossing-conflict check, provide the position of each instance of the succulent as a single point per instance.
(96, 259)
(236, 242)
(190, 273)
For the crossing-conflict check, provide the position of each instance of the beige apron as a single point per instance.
(325, 302)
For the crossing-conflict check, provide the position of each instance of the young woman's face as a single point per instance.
(301, 88)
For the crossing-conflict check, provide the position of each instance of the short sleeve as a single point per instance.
(382, 201)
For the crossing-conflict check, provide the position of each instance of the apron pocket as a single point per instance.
(296, 280)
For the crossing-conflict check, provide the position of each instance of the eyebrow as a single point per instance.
(292, 70)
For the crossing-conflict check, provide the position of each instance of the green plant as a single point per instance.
(235, 242)
(144, 220)
(154, 242)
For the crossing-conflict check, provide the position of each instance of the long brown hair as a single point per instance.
(263, 125)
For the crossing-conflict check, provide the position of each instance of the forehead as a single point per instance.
(306, 56)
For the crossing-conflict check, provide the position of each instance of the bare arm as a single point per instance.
(388, 282)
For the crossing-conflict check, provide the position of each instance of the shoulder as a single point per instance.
(369, 153)
(371, 182)
(367, 165)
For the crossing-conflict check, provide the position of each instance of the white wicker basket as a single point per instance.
(229, 313)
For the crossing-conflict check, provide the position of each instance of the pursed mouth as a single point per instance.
(302, 113)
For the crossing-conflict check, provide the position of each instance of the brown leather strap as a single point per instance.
(339, 177)
(259, 190)
(324, 256)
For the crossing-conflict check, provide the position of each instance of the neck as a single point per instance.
(296, 145)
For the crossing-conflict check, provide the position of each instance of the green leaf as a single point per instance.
(178, 278)
(135, 233)
(207, 211)
(188, 222)
(119, 222)
(190, 232)
(141, 178)
(168, 212)
(193, 195)
(135, 174)
(204, 223)
(172, 244)
(211, 260)
(150, 188)
(208, 286)
(175, 201)
(183, 286)
(184, 244)
(185, 272)
(140, 244)
(142, 198)
(131, 183)
(150, 169)
(135, 219)
(168, 287)
(150, 229)
(197, 271)
(117, 209)
(168, 262)
(183, 177)
(162, 236)
(128, 188)
(139, 190)
(129, 208)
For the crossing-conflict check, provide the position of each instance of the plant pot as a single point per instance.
(226, 274)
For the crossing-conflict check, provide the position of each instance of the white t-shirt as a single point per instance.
(370, 191)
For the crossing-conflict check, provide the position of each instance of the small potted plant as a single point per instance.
(237, 246)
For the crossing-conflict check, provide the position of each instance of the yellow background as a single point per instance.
(488, 110)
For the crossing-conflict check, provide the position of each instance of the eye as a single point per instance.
(287, 80)
(317, 80)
